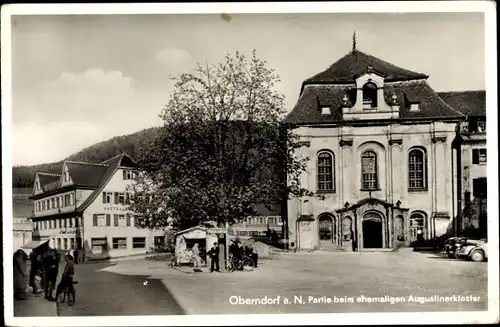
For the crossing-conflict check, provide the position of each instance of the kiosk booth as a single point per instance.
(205, 237)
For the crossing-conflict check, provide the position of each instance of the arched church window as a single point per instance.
(369, 170)
(326, 171)
(417, 166)
(369, 96)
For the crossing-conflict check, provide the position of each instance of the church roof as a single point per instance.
(470, 103)
(355, 63)
(331, 86)
(308, 107)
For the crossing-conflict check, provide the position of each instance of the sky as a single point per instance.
(82, 79)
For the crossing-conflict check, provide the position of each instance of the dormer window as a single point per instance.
(369, 96)
(38, 187)
(414, 107)
(481, 126)
(326, 111)
(66, 175)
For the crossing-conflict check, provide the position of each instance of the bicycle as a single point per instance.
(67, 294)
(232, 264)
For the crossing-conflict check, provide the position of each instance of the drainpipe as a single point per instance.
(458, 220)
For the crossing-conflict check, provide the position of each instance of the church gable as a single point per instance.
(360, 87)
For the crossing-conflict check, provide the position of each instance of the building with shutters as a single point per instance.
(86, 207)
(384, 163)
(470, 146)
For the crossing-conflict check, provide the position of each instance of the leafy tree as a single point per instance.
(222, 149)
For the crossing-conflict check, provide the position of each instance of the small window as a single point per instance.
(159, 240)
(370, 96)
(48, 205)
(53, 203)
(107, 197)
(481, 126)
(128, 174)
(414, 107)
(138, 242)
(326, 111)
(101, 220)
(66, 175)
(479, 188)
(72, 243)
(119, 243)
(66, 200)
(65, 242)
(122, 221)
(479, 156)
(59, 243)
(99, 244)
(121, 198)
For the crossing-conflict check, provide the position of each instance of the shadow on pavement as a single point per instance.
(103, 293)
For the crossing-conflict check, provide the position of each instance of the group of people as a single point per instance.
(236, 252)
(42, 275)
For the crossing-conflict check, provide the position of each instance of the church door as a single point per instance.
(326, 230)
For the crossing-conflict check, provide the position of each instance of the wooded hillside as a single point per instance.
(132, 144)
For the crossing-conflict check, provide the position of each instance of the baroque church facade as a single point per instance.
(380, 143)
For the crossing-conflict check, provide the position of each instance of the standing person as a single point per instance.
(35, 266)
(214, 258)
(75, 256)
(196, 255)
(52, 269)
(67, 278)
(239, 255)
(20, 275)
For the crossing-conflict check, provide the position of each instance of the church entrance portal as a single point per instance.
(372, 231)
(326, 230)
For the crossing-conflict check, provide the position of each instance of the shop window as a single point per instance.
(138, 242)
(119, 242)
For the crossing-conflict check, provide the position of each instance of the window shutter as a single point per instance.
(124, 174)
(95, 220)
(116, 197)
(475, 156)
(116, 219)
(128, 220)
(127, 198)
(103, 197)
(108, 219)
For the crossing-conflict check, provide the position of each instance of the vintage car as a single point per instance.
(475, 250)
(452, 246)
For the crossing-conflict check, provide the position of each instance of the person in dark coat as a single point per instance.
(51, 269)
(214, 258)
(20, 274)
(67, 278)
(36, 265)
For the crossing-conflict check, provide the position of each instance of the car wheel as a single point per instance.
(477, 256)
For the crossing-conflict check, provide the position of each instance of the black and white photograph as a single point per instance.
(249, 163)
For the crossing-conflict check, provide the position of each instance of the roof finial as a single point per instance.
(354, 41)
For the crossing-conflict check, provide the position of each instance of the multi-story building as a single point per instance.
(263, 221)
(22, 209)
(471, 170)
(379, 139)
(86, 207)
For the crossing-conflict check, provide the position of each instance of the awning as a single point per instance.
(34, 244)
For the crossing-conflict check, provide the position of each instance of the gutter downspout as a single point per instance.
(458, 145)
